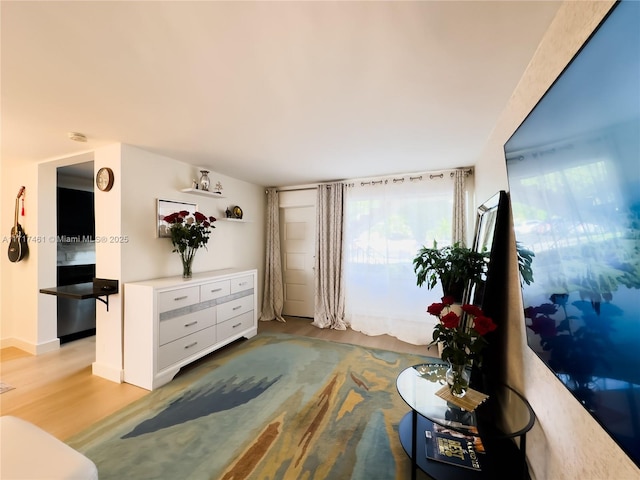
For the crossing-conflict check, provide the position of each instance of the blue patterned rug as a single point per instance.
(274, 407)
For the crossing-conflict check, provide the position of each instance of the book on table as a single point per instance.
(454, 447)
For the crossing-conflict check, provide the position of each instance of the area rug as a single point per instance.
(274, 407)
(5, 387)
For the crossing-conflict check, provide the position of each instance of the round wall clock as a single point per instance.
(104, 179)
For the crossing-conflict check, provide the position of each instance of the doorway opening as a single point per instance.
(75, 248)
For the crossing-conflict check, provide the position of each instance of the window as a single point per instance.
(386, 222)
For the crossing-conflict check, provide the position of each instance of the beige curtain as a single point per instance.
(459, 229)
(273, 297)
(329, 261)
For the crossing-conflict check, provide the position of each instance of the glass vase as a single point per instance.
(458, 376)
(187, 261)
(204, 180)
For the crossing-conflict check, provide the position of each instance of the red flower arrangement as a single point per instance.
(462, 336)
(188, 234)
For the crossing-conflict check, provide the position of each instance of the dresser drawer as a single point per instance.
(234, 308)
(241, 283)
(177, 327)
(178, 298)
(234, 325)
(214, 290)
(184, 347)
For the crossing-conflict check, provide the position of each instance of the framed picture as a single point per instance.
(167, 207)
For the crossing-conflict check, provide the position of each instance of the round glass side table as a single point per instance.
(504, 416)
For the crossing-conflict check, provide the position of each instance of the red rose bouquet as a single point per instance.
(461, 335)
(188, 233)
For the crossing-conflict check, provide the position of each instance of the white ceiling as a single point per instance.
(274, 93)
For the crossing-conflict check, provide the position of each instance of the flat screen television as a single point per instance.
(574, 185)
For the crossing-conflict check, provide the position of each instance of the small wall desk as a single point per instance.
(100, 287)
(417, 386)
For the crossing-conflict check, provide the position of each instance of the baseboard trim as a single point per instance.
(107, 372)
(32, 348)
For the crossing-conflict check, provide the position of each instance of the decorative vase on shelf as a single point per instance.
(204, 180)
(458, 376)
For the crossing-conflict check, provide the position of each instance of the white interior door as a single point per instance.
(297, 234)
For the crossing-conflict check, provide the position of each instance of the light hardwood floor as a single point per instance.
(57, 391)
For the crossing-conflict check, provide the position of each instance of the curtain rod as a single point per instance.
(295, 189)
(467, 172)
(425, 175)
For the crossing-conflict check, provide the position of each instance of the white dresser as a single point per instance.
(170, 322)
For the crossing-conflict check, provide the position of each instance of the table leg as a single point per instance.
(414, 446)
(523, 452)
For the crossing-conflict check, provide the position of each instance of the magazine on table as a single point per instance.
(454, 447)
(470, 432)
(456, 426)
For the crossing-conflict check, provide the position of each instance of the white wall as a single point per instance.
(19, 280)
(147, 177)
(109, 212)
(566, 442)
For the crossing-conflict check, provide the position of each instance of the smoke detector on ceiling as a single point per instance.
(77, 137)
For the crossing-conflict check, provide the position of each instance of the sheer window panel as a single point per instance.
(385, 225)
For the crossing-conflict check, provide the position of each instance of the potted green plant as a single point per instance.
(454, 266)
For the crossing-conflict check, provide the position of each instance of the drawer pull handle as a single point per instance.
(190, 345)
(216, 290)
(242, 284)
(236, 308)
(180, 298)
(190, 324)
(237, 325)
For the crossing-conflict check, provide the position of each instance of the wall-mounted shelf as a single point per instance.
(204, 193)
(236, 220)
